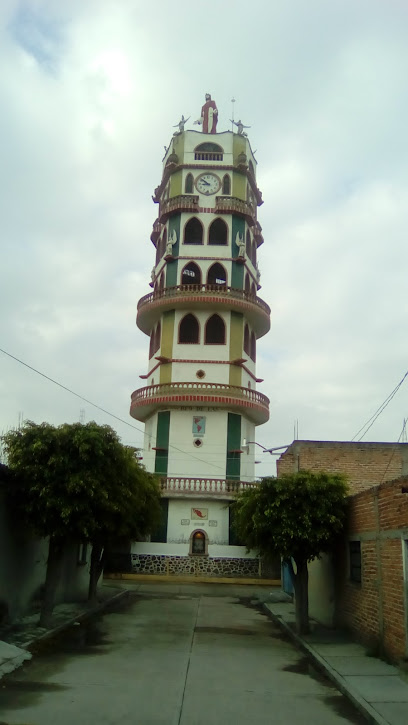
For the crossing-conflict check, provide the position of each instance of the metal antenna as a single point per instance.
(232, 120)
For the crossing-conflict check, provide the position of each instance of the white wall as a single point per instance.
(321, 590)
(180, 509)
(214, 550)
(185, 459)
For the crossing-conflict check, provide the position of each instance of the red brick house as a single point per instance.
(365, 586)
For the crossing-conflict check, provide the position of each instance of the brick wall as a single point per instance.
(375, 609)
(365, 464)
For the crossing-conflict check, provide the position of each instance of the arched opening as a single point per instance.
(218, 232)
(253, 255)
(253, 347)
(247, 284)
(188, 186)
(215, 331)
(189, 330)
(163, 243)
(151, 344)
(208, 152)
(193, 232)
(191, 274)
(248, 244)
(199, 543)
(226, 185)
(217, 274)
(157, 338)
(247, 344)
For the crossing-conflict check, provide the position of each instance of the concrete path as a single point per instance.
(174, 655)
(377, 689)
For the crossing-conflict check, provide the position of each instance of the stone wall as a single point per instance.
(202, 566)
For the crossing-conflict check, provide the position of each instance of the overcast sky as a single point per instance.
(90, 91)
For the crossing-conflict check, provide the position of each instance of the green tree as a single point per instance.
(77, 483)
(297, 516)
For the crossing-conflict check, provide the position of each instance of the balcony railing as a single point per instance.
(186, 290)
(183, 202)
(203, 486)
(233, 205)
(156, 231)
(215, 390)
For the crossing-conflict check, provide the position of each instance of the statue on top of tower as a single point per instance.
(209, 115)
(240, 127)
(181, 124)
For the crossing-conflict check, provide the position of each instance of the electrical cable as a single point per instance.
(379, 410)
(107, 412)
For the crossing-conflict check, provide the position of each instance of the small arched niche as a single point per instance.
(193, 232)
(198, 543)
(189, 330)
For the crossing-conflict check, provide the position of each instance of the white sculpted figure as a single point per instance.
(172, 240)
(239, 241)
(240, 127)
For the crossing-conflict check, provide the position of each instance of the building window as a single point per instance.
(82, 553)
(208, 152)
(215, 331)
(226, 185)
(217, 275)
(247, 344)
(188, 187)
(218, 232)
(355, 561)
(198, 543)
(189, 330)
(253, 347)
(193, 232)
(191, 274)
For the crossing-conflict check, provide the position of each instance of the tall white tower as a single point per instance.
(203, 317)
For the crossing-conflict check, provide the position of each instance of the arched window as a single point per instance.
(193, 232)
(248, 244)
(208, 152)
(218, 232)
(253, 255)
(191, 274)
(157, 338)
(151, 345)
(215, 331)
(189, 331)
(199, 543)
(246, 340)
(253, 347)
(188, 186)
(226, 185)
(247, 284)
(217, 274)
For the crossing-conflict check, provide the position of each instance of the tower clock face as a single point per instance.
(208, 184)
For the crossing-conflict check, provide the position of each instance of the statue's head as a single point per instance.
(208, 97)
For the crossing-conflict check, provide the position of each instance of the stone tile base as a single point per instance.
(202, 566)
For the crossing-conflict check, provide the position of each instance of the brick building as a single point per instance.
(365, 464)
(365, 586)
(372, 579)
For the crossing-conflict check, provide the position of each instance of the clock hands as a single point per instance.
(203, 181)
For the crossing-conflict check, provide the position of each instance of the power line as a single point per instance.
(378, 412)
(107, 412)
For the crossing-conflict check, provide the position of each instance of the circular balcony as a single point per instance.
(197, 296)
(146, 401)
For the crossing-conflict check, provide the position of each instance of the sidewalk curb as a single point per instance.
(365, 708)
(81, 617)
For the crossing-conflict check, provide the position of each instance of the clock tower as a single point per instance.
(203, 316)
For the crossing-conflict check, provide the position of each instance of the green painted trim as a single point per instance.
(233, 467)
(176, 184)
(162, 443)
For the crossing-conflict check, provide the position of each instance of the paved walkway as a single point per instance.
(378, 689)
(174, 655)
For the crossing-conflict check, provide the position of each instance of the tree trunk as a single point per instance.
(55, 556)
(301, 584)
(97, 563)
